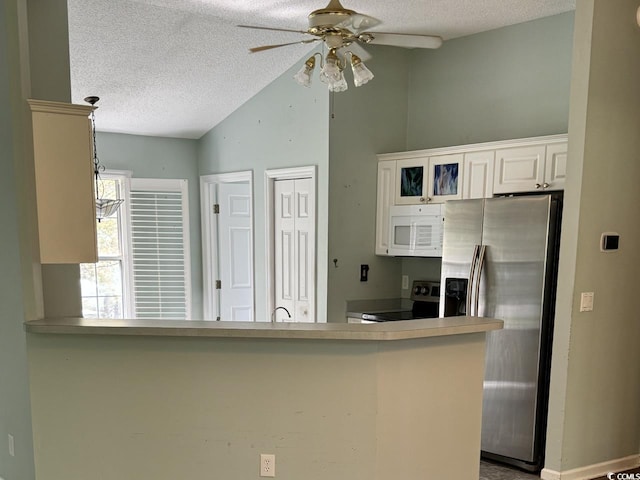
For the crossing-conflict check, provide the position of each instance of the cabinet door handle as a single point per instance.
(538, 186)
(545, 185)
(422, 199)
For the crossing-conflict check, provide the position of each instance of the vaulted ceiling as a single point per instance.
(177, 68)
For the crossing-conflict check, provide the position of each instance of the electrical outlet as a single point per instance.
(12, 447)
(267, 465)
(405, 282)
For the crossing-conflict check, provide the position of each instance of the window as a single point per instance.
(160, 249)
(104, 285)
(143, 252)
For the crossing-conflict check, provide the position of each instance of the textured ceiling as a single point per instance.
(177, 68)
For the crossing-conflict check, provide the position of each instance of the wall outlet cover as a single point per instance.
(267, 465)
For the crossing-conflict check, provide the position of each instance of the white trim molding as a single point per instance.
(473, 147)
(593, 471)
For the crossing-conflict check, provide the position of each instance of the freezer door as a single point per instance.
(462, 232)
(515, 234)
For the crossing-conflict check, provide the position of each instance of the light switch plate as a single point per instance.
(586, 302)
(405, 282)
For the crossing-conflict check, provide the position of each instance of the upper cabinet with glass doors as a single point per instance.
(481, 170)
(433, 179)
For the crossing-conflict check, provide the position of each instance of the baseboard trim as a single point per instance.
(593, 471)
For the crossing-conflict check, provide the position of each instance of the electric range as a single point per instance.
(426, 300)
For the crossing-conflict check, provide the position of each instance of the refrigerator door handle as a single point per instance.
(483, 250)
(474, 261)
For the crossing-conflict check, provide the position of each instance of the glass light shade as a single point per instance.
(303, 77)
(330, 72)
(340, 85)
(361, 74)
(106, 207)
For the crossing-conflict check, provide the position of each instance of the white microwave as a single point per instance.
(416, 230)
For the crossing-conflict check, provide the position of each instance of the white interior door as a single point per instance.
(294, 249)
(234, 252)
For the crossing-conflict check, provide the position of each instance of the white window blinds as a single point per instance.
(160, 249)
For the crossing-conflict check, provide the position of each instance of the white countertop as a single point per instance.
(400, 330)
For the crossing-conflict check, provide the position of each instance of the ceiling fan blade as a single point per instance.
(272, 29)
(356, 49)
(269, 47)
(358, 22)
(405, 40)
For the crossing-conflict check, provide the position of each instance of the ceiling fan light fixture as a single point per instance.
(340, 85)
(361, 74)
(331, 72)
(303, 77)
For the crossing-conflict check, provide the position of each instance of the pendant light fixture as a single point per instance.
(105, 207)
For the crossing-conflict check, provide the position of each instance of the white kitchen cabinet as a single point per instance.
(385, 198)
(480, 170)
(478, 174)
(432, 179)
(411, 185)
(519, 169)
(530, 168)
(445, 178)
(555, 169)
(65, 198)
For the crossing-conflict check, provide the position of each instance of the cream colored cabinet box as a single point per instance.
(65, 198)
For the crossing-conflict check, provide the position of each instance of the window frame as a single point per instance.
(172, 185)
(122, 177)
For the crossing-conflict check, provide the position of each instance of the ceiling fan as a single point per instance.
(343, 31)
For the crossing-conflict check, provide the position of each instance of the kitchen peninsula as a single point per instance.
(158, 399)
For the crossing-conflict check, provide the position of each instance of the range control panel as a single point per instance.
(425, 291)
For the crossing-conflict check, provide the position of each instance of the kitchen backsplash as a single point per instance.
(418, 268)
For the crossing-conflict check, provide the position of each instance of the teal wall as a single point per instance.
(15, 410)
(285, 125)
(366, 120)
(156, 157)
(49, 50)
(507, 83)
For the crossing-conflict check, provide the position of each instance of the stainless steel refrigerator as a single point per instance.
(500, 260)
